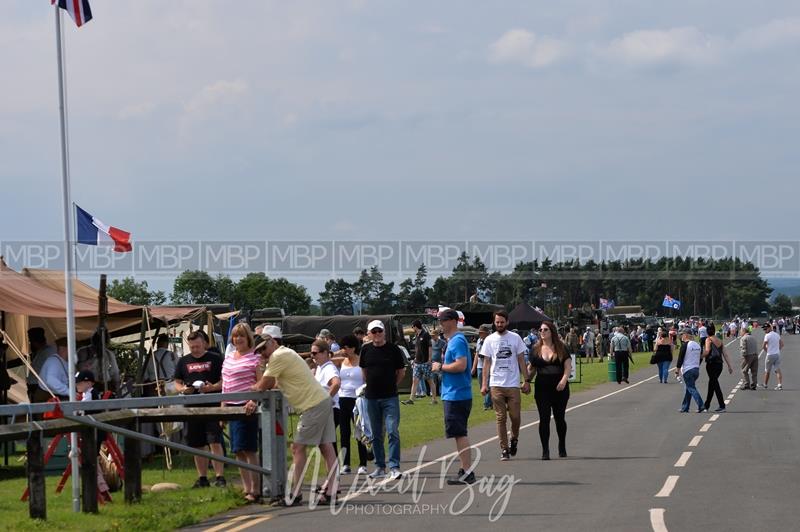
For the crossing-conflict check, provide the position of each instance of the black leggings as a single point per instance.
(714, 370)
(346, 418)
(548, 400)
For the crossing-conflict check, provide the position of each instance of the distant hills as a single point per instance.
(790, 287)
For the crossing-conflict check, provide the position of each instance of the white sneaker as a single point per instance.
(395, 474)
(378, 473)
(779, 387)
(346, 470)
(362, 470)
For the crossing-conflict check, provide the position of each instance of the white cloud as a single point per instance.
(683, 46)
(215, 94)
(776, 33)
(526, 48)
(136, 110)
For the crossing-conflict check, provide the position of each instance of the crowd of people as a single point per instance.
(350, 385)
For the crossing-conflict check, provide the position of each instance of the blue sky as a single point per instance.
(354, 120)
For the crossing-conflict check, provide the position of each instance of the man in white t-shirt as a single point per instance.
(773, 344)
(688, 366)
(504, 364)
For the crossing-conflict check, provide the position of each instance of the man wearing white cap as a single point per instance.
(384, 366)
(307, 397)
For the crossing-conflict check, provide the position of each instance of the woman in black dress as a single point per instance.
(663, 355)
(552, 365)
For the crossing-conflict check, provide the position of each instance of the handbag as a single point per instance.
(653, 358)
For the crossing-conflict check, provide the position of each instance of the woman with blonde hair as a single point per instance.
(552, 365)
(239, 374)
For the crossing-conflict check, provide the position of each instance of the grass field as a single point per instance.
(420, 423)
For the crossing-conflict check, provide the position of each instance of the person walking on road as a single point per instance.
(621, 347)
(773, 344)
(688, 365)
(456, 393)
(552, 365)
(748, 347)
(384, 366)
(714, 354)
(663, 356)
(502, 368)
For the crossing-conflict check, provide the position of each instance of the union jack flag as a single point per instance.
(671, 302)
(79, 10)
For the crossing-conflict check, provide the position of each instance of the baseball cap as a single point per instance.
(485, 328)
(85, 376)
(272, 331)
(376, 324)
(687, 330)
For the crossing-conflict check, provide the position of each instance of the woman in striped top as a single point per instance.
(239, 374)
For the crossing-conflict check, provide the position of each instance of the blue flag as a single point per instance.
(671, 302)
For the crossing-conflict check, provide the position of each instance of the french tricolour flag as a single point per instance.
(79, 10)
(94, 232)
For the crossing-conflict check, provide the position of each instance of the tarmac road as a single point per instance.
(635, 463)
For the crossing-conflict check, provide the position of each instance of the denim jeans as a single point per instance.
(385, 413)
(663, 370)
(689, 378)
(487, 399)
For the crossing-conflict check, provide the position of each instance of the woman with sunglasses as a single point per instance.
(352, 378)
(552, 365)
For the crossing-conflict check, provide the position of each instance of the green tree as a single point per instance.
(337, 298)
(291, 297)
(782, 306)
(129, 291)
(194, 287)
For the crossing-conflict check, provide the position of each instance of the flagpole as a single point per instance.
(66, 202)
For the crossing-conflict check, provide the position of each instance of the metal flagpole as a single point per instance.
(66, 200)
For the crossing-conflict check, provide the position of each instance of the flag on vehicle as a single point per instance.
(79, 10)
(671, 302)
(606, 304)
(94, 232)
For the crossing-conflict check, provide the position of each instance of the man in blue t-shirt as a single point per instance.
(456, 392)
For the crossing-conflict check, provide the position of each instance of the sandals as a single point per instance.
(297, 501)
(325, 500)
(252, 498)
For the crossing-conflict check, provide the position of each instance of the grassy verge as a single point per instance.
(157, 511)
(419, 424)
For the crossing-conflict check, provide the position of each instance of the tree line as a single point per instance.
(710, 287)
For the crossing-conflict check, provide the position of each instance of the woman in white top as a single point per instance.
(352, 378)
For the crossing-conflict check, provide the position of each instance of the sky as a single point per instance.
(396, 120)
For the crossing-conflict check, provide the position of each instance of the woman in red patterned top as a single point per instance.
(239, 374)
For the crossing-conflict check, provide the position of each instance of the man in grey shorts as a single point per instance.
(306, 396)
(773, 344)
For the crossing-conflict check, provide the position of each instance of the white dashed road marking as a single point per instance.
(669, 485)
(705, 427)
(695, 441)
(657, 520)
(683, 459)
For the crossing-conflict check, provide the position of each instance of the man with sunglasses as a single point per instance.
(504, 364)
(384, 366)
(306, 396)
(456, 392)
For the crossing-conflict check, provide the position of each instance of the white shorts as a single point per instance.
(773, 362)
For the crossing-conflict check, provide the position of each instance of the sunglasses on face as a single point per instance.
(317, 352)
(544, 330)
(376, 331)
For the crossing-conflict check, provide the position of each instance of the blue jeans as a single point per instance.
(663, 370)
(689, 378)
(385, 412)
(487, 399)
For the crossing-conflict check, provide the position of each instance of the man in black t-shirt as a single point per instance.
(201, 372)
(422, 363)
(384, 366)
